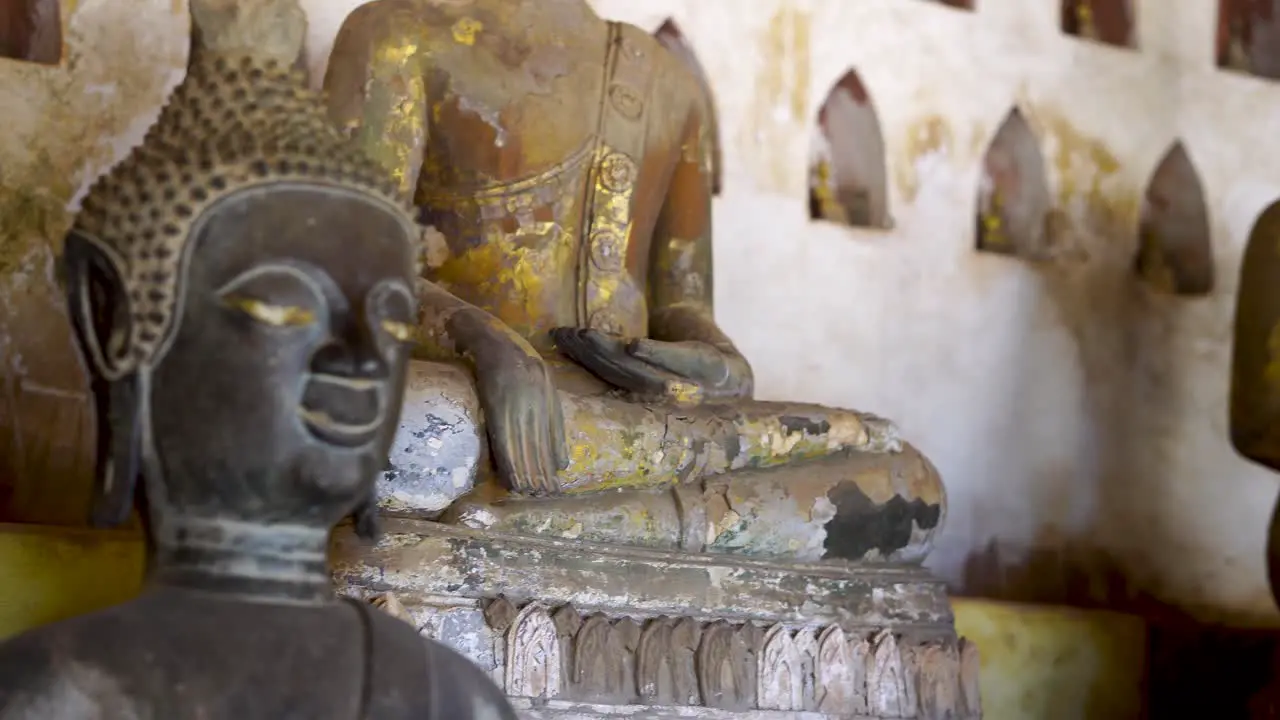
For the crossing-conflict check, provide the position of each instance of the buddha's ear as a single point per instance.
(97, 301)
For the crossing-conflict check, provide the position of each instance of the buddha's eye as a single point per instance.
(274, 315)
(402, 332)
(391, 308)
(277, 296)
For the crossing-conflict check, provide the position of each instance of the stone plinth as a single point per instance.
(575, 630)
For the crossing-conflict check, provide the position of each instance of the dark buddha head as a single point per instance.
(277, 396)
(241, 288)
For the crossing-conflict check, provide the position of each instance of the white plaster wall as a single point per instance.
(1064, 408)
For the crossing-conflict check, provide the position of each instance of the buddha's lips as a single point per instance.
(342, 411)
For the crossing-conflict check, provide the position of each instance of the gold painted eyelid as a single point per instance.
(402, 332)
(274, 315)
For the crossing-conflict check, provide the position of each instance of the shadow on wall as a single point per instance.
(848, 176)
(1122, 320)
(1115, 271)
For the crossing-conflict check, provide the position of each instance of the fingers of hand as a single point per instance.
(541, 449)
(607, 357)
(556, 432)
(506, 456)
(693, 360)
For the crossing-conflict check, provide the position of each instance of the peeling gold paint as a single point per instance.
(782, 83)
(1092, 194)
(684, 394)
(847, 430)
(877, 484)
(1082, 164)
(926, 136)
(464, 31)
(395, 137)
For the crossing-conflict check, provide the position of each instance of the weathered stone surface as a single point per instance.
(418, 558)
(575, 630)
(877, 500)
(437, 448)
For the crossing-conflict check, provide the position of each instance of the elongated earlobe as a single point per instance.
(366, 517)
(119, 439)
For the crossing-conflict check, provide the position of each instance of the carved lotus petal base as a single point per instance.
(575, 630)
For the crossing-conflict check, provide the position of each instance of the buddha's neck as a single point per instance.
(247, 561)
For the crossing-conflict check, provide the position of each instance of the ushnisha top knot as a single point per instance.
(232, 124)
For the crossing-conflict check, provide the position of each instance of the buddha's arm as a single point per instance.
(681, 279)
(375, 89)
(376, 92)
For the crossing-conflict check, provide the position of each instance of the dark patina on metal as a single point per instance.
(241, 287)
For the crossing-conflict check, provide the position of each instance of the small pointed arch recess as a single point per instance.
(1174, 250)
(848, 179)
(31, 30)
(670, 37)
(1105, 21)
(1255, 363)
(1248, 37)
(1013, 194)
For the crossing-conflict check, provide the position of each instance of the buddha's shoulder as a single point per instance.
(411, 21)
(675, 83)
(57, 671)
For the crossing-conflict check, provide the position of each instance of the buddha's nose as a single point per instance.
(353, 355)
(344, 400)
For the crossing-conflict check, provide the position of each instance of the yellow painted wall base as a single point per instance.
(1053, 663)
(49, 574)
(1037, 662)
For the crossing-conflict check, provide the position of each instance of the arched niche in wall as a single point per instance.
(672, 39)
(31, 30)
(1255, 362)
(1013, 194)
(958, 4)
(1174, 250)
(1105, 21)
(1248, 37)
(848, 180)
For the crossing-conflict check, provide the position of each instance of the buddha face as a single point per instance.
(279, 393)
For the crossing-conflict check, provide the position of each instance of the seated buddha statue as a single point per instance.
(561, 166)
(241, 289)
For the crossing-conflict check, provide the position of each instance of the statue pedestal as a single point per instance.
(574, 630)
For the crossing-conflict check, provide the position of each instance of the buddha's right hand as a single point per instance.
(522, 413)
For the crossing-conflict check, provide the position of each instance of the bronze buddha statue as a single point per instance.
(563, 166)
(240, 287)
